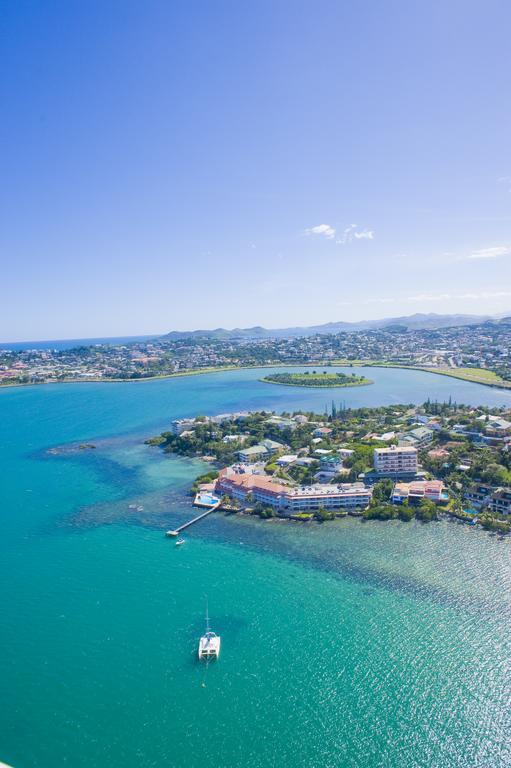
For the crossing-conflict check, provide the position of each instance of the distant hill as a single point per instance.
(429, 321)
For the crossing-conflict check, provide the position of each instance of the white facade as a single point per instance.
(182, 425)
(395, 460)
(345, 496)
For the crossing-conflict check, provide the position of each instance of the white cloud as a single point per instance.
(490, 253)
(348, 235)
(464, 296)
(382, 300)
(325, 230)
(433, 297)
(506, 180)
(354, 232)
(429, 297)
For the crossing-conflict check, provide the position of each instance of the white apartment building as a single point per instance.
(395, 460)
(346, 496)
(179, 426)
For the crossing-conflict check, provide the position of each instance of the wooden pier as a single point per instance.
(177, 531)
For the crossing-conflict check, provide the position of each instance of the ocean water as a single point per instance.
(346, 644)
(62, 344)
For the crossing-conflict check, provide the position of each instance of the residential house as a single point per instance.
(322, 432)
(495, 499)
(418, 438)
(420, 489)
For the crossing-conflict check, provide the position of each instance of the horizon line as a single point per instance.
(135, 336)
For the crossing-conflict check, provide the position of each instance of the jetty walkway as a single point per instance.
(177, 531)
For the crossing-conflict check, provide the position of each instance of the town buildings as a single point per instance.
(483, 346)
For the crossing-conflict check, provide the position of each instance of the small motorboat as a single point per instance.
(180, 542)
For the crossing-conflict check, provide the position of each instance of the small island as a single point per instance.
(314, 379)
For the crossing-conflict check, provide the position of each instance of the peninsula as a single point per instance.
(400, 461)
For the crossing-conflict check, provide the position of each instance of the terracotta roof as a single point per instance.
(250, 482)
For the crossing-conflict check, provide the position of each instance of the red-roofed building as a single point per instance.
(419, 489)
(238, 485)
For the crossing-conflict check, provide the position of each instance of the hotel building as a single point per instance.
(395, 460)
(289, 500)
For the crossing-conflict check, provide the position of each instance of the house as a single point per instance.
(478, 495)
(286, 461)
(322, 432)
(419, 418)
(501, 501)
(305, 461)
(234, 439)
(330, 464)
(281, 423)
(438, 453)
(495, 499)
(418, 490)
(418, 438)
(497, 427)
(329, 467)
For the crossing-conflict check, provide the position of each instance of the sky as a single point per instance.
(205, 163)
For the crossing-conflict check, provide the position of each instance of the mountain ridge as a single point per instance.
(417, 321)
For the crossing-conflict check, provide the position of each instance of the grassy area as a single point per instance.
(477, 375)
(314, 379)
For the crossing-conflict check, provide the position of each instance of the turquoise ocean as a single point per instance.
(344, 645)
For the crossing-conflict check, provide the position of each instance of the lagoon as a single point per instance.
(347, 644)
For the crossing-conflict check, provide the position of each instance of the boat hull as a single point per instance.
(209, 647)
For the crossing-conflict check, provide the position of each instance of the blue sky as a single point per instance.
(172, 165)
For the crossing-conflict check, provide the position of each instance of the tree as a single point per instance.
(427, 511)
(325, 514)
(382, 491)
(496, 474)
(380, 512)
(405, 512)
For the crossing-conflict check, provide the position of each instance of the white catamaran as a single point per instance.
(209, 643)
